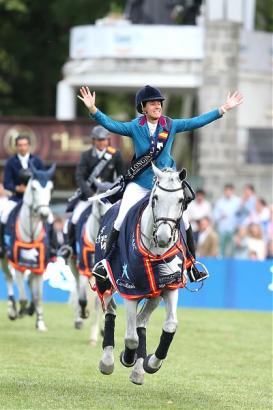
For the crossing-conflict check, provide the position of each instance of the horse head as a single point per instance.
(167, 202)
(39, 189)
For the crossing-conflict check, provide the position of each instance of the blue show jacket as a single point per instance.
(138, 130)
(11, 174)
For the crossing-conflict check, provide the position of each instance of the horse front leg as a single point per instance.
(22, 293)
(12, 310)
(128, 356)
(74, 298)
(95, 316)
(36, 283)
(107, 362)
(153, 362)
(137, 375)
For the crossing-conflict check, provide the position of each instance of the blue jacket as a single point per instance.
(11, 174)
(138, 130)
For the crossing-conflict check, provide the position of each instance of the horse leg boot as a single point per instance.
(100, 269)
(66, 250)
(106, 365)
(194, 274)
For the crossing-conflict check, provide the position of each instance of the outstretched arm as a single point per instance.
(89, 99)
(232, 101)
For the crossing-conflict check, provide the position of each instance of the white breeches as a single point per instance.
(79, 209)
(9, 206)
(132, 194)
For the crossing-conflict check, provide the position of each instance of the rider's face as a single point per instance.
(101, 144)
(22, 147)
(153, 110)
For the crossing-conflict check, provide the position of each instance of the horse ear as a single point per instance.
(158, 173)
(51, 170)
(182, 174)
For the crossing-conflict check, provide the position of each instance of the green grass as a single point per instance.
(218, 360)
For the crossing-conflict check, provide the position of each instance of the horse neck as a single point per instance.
(30, 225)
(93, 224)
(146, 228)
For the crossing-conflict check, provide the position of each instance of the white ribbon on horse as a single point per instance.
(105, 194)
(59, 276)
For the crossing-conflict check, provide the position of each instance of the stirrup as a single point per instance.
(100, 270)
(196, 275)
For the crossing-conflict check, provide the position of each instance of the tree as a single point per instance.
(35, 40)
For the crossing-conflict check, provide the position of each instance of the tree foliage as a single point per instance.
(34, 46)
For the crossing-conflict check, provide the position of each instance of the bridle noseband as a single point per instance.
(171, 222)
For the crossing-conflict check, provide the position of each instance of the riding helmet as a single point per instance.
(99, 133)
(145, 94)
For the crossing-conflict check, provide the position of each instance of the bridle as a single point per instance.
(173, 224)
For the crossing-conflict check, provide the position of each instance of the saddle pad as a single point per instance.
(134, 272)
(26, 255)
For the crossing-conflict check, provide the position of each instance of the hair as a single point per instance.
(229, 186)
(250, 187)
(200, 192)
(22, 137)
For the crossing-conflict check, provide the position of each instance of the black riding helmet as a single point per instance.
(145, 94)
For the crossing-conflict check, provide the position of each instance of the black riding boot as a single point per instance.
(194, 274)
(53, 241)
(99, 270)
(2, 243)
(66, 249)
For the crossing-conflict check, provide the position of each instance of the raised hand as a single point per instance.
(233, 100)
(88, 99)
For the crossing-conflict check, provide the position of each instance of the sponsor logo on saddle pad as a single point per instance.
(29, 255)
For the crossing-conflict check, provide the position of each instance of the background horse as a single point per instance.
(27, 244)
(81, 267)
(150, 235)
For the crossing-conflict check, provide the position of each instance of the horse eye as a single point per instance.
(155, 198)
(180, 200)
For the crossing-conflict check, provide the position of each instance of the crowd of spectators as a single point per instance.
(238, 227)
(234, 226)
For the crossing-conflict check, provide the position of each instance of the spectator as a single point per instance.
(256, 243)
(198, 209)
(58, 226)
(224, 216)
(208, 243)
(260, 215)
(247, 204)
(241, 243)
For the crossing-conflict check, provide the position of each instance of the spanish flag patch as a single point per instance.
(163, 135)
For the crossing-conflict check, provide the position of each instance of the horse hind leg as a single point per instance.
(95, 319)
(137, 374)
(128, 356)
(107, 362)
(153, 362)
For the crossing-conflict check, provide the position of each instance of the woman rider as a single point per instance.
(146, 132)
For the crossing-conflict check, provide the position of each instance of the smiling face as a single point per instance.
(153, 110)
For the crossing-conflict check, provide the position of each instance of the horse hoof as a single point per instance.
(78, 324)
(137, 377)
(147, 368)
(93, 342)
(12, 311)
(23, 309)
(40, 325)
(121, 358)
(85, 314)
(31, 309)
(106, 369)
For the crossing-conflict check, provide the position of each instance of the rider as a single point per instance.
(98, 169)
(151, 133)
(16, 176)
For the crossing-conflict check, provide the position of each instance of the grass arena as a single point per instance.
(219, 359)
